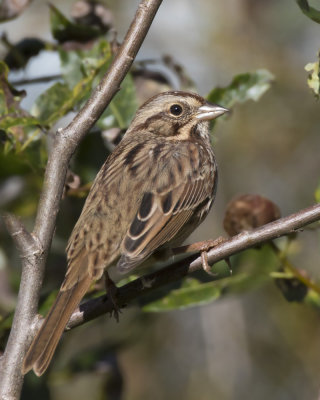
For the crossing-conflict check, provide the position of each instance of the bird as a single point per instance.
(153, 190)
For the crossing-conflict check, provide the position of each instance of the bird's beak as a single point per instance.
(210, 111)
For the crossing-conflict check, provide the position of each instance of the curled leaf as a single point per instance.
(244, 87)
(17, 124)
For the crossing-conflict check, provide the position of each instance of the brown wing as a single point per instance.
(108, 212)
(159, 219)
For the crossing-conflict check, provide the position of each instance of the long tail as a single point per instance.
(44, 344)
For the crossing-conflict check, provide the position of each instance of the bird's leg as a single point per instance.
(203, 247)
(205, 264)
(112, 290)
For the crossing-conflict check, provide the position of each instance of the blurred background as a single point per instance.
(250, 342)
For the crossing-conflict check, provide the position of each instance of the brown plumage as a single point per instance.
(153, 191)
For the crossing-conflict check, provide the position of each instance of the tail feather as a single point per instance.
(44, 344)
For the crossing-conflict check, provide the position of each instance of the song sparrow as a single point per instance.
(153, 191)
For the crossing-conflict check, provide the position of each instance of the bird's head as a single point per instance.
(176, 115)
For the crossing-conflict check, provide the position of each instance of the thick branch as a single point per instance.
(245, 240)
(29, 250)
(65, 143)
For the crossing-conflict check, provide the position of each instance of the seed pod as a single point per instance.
(249, 211)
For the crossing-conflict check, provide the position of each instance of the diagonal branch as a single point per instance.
(65, 143)
(245, 240)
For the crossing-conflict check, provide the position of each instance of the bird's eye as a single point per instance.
(176, 109)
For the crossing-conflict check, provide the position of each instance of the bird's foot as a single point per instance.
(203, 248)
(112, 292)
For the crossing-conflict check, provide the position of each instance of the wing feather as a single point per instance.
(167, 215)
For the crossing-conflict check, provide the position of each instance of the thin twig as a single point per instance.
(245, 240)
(33, 81)
(65, 143)
(293, 270)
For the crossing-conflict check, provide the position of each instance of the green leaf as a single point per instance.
(14, 121)
(248, 86)
(64, 30)
(122, 108)
(312, 299)
(195, 293)
(77, 64)
(314, 76)
(191, 293)
(257, 266)
(10, 98)
(71, 62)
(20, 132)
(310, 12)
(53, 103)
(317, 194)
(10, 120)
(11, 95)
(80, 70)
